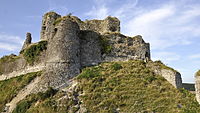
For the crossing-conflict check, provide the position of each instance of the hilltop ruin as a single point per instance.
(68, 44)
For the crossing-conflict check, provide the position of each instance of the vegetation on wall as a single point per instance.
(106, 47)
(9, 58)
(32, 53)
(161, 65)
(10, 88)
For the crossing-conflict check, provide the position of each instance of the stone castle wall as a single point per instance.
(74, 44)
(48, 25)
(63, 55)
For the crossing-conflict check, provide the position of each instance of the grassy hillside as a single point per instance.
(118, 87)
(9, 88)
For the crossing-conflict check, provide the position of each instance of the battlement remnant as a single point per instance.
(47, 25)
(27, 41)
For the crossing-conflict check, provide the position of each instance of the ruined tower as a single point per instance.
(63, 54)
(48, 25)
(27, 41)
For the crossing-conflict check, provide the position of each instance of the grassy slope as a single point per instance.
(125, 87)
(9, 88)
(133, 88)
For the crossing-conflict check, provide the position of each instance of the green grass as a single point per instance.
(36, 103)
(57, 21)
(125, 87)
(159, 64)
(25, 104)
(9, 88)
(32, 53)
(133, 88)
(9, 58)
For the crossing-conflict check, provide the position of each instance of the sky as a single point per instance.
(172, 27)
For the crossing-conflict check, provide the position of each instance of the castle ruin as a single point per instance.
(70, 44)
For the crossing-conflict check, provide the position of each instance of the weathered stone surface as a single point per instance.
(48, 25)
(172, 76)
(74, 44)
(197, 86)
(125, 48)
(63, 55)
(90, 48)
(11, 65)
(110, 24)
(22, 71)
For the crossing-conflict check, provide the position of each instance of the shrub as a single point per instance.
(89, 73)
(9, 58)
(31, 54)
(116, 66)
(106, 47)
(22, 107)
(49, 93)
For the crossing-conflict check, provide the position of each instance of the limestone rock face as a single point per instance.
(171, 75)
(27, 42)
(48, 25)
(197, 86)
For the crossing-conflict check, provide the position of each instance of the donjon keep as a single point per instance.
(67, 45)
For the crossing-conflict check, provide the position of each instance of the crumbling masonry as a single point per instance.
(74, 44)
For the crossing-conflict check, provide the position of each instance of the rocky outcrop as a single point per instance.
(171, 75)
(197, 86)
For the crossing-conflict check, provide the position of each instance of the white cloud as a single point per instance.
(195, 56)
(10, 42)
(61, 9)
(167, 57)
(164, 26)
(99, 12)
